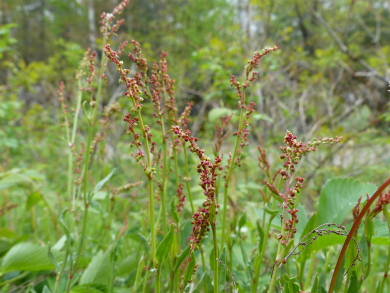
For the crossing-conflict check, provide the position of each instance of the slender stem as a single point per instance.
(137, 276)
(188, 179)
(352, 231)
(59, 274)
(260, 259)
(215, 258)
(310, 271)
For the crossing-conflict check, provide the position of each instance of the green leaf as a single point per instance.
(33, 199)
(165, 245)
(292, 286)
(316, 284)
(101, 183)
(199, 286)
(181, 257)
(353, 284)
(261, 235)
(7, 233)
(51, 256)
(273, 213)
(217, 113)
(174, 214)
(89, 288)
(338, 197)
(189, 270)
(369, 230)
(28, 257)
(222, 270)
(127, 265)
(46, 290)
(242, 221)
(145, 243)
(97, 270)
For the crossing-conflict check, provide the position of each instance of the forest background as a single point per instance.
(329, 78)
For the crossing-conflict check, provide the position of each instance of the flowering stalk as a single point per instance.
(205, 216)
(242, 133)
(134, 93)
(108, 30)
(292, 153)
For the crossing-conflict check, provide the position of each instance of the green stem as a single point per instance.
(216, 290)
(310, 271)
(59, 274)
(137, 276)
(261, 256)
(231, 166)
(188, 179)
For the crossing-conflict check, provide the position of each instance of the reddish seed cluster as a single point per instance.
(107, 18)
(181, 197)
(263, 162)
(122, 46)
(380, 204)
(293, 151)
(208, 174)
(254, 62)
(356, 209)
(169, 88)
(91, 72)
(139, 59)
(61, 97)
(289, 227)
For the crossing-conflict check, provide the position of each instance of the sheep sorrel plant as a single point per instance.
(174, 208)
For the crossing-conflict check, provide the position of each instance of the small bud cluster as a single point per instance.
(169, 88)
(79, 160)
(156, 93)
(263, 162)
(181, 197)
(221, 133)
(62, 101)
(383, 200)
(290, 227)
(254, 62)
(183, 121)
(356, 209)
(91, 72)
(80, 72)
(6, 207)
(122, 46)
(107, 29)
(293, 151)
(139, 60)
(208, 174)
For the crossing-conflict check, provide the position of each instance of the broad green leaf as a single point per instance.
(316, 284)
(7, 233)
(129, 263)
(338, 197)
(97, 270)
(33, 199)
(165, 245)
(28, 257)
(181, 257)
(222, 270)
(46, 289)
(189, 270)
(15, 180)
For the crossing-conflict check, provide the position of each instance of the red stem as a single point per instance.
(353, 229)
